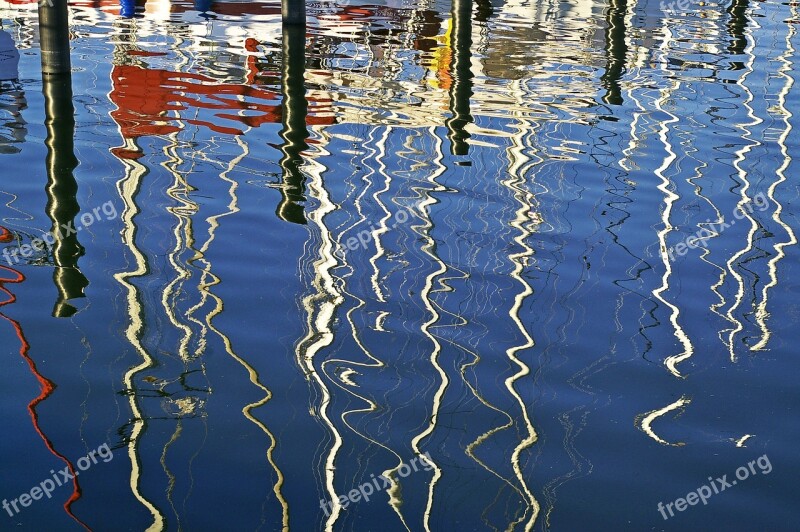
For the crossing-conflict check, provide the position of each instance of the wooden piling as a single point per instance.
(293, 12)
(54, 36)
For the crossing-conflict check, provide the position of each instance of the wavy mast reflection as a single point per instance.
(670, 198)
(645, 421)
(733, 264)
(129, 75)
(429, 248)
(128, 188)
(784, 71)
(524, 221)
(320, 307)
(205, 286)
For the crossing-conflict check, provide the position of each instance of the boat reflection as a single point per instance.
(12, 97)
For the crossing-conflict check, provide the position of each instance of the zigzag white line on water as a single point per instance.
(320, 307)
(128, 188)
(428, 248)
(646, 420)
(785, 71)
(670, 198)
(744, 198)
(521, 223)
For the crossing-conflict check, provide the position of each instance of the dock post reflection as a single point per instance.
(461, 90)
(484, 10)
(54, 36)
(62, 189)
(737, 28)
(293, 12)
(294, 109)
(616, 51)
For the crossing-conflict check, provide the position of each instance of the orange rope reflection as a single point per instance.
(46, 386)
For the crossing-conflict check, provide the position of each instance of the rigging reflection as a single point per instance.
(188, 300)
(784, 71)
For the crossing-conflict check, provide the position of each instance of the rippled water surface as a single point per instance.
(513, 265)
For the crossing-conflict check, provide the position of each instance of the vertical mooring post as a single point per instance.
(54, 36)
(461, 89)
(293, 12)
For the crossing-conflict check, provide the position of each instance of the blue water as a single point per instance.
(533, 263)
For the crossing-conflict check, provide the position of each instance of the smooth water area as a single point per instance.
(503, 265)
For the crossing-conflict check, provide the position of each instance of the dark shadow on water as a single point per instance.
(62, 190)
